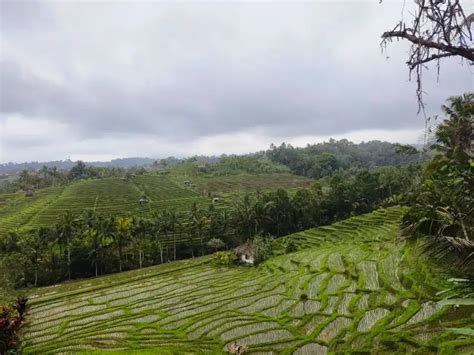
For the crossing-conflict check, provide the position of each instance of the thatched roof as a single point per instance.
(248, 248)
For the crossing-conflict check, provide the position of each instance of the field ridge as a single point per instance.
(350, 287)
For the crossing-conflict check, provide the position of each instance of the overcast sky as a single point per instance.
(99, 80)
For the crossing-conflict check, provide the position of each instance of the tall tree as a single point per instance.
(65, 230)
(443, 209)
(121, 235)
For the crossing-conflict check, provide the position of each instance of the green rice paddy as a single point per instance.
(248, 183)
(118, 196)
(351, 287)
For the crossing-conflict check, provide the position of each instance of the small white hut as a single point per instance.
(246, 252)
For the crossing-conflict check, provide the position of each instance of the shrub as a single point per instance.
(11, 319)
(290, 246)
(216, 244)
(223, 258)
(263, 248)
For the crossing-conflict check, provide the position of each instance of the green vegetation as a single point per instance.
(325, 159)
(350, 287)
(442, 208)
(223, 258)
(11, 320)
(150, 219)
(108, 196)
(248, 183)
(121, 196)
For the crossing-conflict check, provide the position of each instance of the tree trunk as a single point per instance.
(120, 257)
(68, 259)
(174, 245)
(140, 256)
(36, 275)
(201, 241)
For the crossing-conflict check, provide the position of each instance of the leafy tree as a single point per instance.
(443, 208)
(216, 244)
(325, 159)
(78, 171)
(263, 248)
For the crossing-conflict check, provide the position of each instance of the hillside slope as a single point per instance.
(117, 196)
(351, 288)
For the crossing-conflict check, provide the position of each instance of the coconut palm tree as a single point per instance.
(198, 223)
(157, 233)
(32, 245)
(140, 228)
(454, 136)
(121, 235)
(65, 229)
(172, 223)
(444, 207)
(98, 239)
(245, 215)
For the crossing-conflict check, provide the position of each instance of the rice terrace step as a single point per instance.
(349, 290)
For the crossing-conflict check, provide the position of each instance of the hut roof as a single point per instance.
(248, 248)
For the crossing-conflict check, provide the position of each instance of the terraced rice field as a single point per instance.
(16, 210)
(247, 183)
(116, 196)
(112, 196)
(349, 288)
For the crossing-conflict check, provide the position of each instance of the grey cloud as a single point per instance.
(184, 71)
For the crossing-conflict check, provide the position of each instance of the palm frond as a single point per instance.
(459, 252)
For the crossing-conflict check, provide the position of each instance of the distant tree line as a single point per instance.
(124, 163)
(90, 244)
(255, 163)
(324, 159)
(314, 161)
(52, 176)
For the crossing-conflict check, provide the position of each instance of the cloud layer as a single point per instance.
(101, 80)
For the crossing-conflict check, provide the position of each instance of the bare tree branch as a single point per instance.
(438, 29)
(450, 50)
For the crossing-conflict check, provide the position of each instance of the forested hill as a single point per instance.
(318, 160)
(314, 160)
(10, 168)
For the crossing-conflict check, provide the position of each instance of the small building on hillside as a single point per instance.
(246, 252)
(143, 201)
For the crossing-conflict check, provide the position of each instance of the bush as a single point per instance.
(216, 244)
(11, 319)
(290, 246)
(263, 248)
(223, 258)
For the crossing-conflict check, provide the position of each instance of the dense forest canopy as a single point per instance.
(323, 159)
